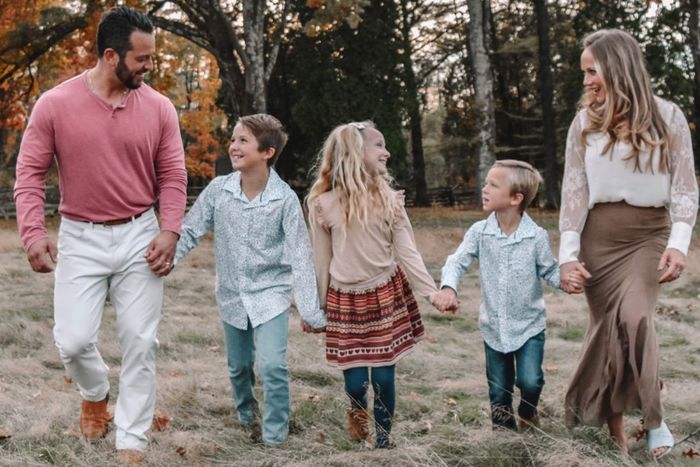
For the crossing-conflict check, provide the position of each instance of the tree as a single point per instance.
(244, 38)
(551, 173)
(694, 36)
(483, 85)
(339, 75)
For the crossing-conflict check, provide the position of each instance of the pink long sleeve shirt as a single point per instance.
(113, 163)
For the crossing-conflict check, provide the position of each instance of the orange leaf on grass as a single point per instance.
(181, 451)
(67, 379)
(160, 422)
(640, 433)
(690, 453)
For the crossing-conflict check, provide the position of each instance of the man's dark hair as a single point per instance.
(116, 26)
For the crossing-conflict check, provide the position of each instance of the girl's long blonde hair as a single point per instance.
(341, 168)
(629, 112)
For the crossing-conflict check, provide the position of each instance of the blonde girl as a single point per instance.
(629, 167)
(364, 248)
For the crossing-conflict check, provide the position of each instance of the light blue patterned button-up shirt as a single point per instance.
(262, 251)
(510, 268)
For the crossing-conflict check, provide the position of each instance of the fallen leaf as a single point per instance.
(321, 438)
(4, 435)
(160, 422)
(426, 428)
(451, 402)
(690, 453)
(314, 397)
(640, 433)
(67, 379)
(181, 451)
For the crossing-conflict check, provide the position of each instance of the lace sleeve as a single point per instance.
(574, 194)
(683, 207)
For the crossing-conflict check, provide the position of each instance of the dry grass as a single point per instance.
(442, 411)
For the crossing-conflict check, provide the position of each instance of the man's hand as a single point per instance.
(674, 260)
(37, 255)
(161, 252)
(572, 276)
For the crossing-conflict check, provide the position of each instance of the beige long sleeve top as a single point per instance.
(591, 177)
(365, 257)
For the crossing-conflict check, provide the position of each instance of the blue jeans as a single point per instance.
(356, 386)
(270, 341)
(522, 368)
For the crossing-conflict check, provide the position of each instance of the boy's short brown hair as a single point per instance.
(524, 179)
(269, 132)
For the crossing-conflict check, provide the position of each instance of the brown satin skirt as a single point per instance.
(618, 368)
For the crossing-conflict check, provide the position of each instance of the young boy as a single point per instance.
(262, 252)
(513, 254)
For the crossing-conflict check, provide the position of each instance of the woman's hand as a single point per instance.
(573, 275)
(674, 261)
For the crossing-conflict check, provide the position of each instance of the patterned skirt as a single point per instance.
(372, 327)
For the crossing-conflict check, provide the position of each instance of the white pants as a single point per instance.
(94, 260)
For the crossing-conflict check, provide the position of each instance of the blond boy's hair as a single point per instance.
(269, 132)
(524, 179)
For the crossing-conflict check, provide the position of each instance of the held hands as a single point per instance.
(161, 252)
(307, 328)
(573, 276)
(37, 255)
(446, 301)
(674, 261)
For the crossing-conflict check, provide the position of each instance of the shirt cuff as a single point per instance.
(450, 282)
(569, 246)
(681, 233)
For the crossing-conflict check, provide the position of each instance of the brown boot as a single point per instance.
(530, 424)
(130, 457)
(94, 419)
(358, 424)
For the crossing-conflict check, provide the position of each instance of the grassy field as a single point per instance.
(442, 415)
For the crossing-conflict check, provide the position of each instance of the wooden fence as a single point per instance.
(440, 196)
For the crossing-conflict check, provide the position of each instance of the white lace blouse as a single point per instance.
(591, 177)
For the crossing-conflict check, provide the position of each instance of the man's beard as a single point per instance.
(126, 76)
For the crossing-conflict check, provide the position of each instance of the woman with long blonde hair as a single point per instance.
(363, 242)
(629, 204)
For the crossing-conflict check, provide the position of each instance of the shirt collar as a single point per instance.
(274, 189)
(526, 228)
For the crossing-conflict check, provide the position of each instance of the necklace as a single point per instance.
(91, 87)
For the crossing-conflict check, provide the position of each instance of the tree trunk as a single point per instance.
(483, 87)
(551, 175)
(254, 30)
(413, 107)
(694, 26)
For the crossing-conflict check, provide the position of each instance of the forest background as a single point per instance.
(453, 84)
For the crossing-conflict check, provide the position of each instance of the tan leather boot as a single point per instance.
(358, 424)
(94, 419)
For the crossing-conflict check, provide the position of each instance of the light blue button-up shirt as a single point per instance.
(262, 251)
(510, 268)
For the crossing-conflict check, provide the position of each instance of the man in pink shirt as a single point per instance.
(118, 148)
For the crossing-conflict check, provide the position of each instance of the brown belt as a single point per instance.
(121, 221)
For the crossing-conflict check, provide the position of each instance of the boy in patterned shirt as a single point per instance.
(514, 255)
(262, 252)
